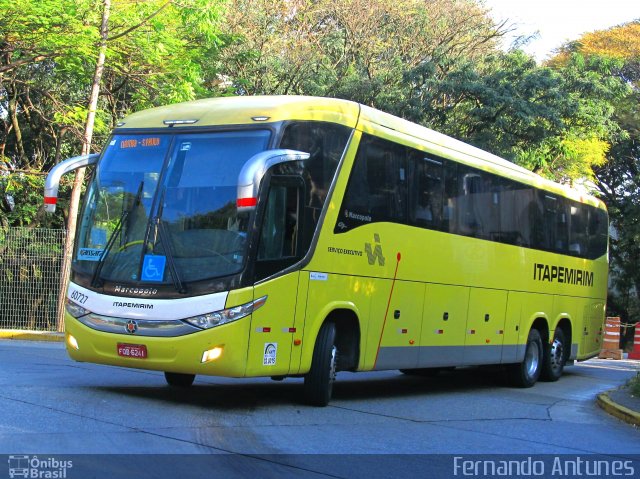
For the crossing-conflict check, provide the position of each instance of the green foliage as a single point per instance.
(157, 53)
(21, 201)
(355, 49)
(618, 178)
(555, 121)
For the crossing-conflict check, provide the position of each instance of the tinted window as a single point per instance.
(377, 189)
(578, 219)
(426, 189)
(325, 142)
(295, 193)
(391, 182)
(598, 232)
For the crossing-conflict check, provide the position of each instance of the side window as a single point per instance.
(280, 241)
(325, 142)
(426, 190)
(505, 225)
(598, 232)
(518, 213)
(472, 203)
(497, 190)
(556, 223)
(449, 208)
(578, 229)
(377, 188)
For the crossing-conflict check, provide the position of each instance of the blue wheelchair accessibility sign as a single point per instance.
(153, 267)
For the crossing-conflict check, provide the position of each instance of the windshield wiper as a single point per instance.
(96, 281)
(173, 270)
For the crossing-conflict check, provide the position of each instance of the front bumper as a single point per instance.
(179, 354)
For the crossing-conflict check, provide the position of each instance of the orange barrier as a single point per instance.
(635, 354)
(611, 344)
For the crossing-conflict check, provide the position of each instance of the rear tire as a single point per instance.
(318, 382)
(179, 380)
(526, 373)
(555, 357)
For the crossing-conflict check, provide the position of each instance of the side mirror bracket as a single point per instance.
(53, 178)
(254, 170)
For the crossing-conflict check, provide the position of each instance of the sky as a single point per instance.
(557, 21)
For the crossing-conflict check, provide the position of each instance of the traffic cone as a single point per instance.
(611, 344)
(635, 354)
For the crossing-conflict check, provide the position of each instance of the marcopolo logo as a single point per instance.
(38, 468)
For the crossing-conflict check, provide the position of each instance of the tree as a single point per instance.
(157, 53)
(140, 43)
(619, 178)
(354, 49)
(35, 38)
(554, 121)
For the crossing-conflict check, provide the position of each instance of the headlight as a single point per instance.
(217, 318)
(75, 310)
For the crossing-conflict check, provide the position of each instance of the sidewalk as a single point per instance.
(24, 335)
(621, 404)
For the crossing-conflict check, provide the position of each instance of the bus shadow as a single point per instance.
(401, 385)
(245, 395)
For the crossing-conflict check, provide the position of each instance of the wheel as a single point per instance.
(526, 373)
(555, 357)
(179, 380)
(318, 382)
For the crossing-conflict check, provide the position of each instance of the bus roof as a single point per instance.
(247, 110)
(251, 110)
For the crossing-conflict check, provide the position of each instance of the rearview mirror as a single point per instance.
(53, 178)
(254, 170)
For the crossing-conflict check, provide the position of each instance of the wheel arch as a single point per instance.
(541, 323)
(347, 338)
(566, 326)
(346, 317)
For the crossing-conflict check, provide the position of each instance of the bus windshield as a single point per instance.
(162, 208)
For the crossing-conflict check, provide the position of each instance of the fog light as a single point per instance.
(212, 354)
(72, 342)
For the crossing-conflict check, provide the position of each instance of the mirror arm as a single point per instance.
(53, 178)
(254, 170)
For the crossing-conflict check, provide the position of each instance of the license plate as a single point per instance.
(132, 350)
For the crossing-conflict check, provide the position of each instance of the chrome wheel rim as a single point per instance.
(532, 359)
(556, 355)
(332, 364)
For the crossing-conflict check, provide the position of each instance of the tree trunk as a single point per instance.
(13, 115)
(86, 149)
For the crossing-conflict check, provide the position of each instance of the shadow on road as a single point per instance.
(245, 394)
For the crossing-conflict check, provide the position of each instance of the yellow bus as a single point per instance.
(290, 236)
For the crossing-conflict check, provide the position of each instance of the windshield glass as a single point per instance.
(162, 208)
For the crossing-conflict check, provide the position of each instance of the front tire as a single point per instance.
(179, 380)
(526, 373)
(555, 358)
(318, 382)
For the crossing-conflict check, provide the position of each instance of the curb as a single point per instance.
(24, 335)
(617, 410)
